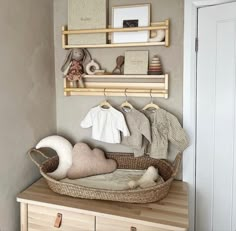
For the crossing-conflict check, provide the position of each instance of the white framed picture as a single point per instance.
(131, 16)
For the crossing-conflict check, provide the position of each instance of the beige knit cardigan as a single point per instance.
(165, 127)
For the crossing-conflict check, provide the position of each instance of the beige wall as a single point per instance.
(27, 96)
(71, 110)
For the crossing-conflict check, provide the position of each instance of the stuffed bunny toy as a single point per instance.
(74, 65)
(147, 180)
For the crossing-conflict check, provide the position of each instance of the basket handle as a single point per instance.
(34, 150)
(176, 164)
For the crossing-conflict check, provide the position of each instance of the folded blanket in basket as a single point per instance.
(118, 180)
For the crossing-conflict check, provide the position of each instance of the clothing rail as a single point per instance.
(116, 92)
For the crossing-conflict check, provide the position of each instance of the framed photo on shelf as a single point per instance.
(131, 16)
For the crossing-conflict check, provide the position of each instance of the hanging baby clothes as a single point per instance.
(106, 124)
(164, 127)
(139, 126)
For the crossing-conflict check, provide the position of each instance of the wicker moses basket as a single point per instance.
(167, 171)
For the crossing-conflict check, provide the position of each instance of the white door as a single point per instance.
(216, 119)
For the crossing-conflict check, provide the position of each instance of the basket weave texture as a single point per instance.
(167, 171)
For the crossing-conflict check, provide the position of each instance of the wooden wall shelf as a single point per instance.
(144, 85)
(124, 77)
(154, 26)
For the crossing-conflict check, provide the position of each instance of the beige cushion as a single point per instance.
(87, 162)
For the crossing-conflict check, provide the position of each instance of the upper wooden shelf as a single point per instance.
(165, 25)
(124, 76)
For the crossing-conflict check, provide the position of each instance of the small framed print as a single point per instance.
(130, 23)
(131, 16)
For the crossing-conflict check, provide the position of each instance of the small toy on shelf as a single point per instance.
(119, 64)
(92, 67)
(155, 67)
(75, 65)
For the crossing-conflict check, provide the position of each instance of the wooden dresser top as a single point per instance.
(172, 211)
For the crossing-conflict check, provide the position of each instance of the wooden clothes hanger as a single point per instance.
(105, 104)
(151, 105)
(126, 106)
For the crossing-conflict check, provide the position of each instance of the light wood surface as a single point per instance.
(141, 88)
(126, 76)
(24, 216)
(168, 214)
(114, 92)
(111, 30)
(42, 218)
(154, 26)
(124, 85)
(114, 45)
(104, 224)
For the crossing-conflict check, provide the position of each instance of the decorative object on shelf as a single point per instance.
(91, 67)
(155, 67)
(78, 161)
(157, 36)
(136, 63)
(120, 60)
(87, 14)
(130, 16)
(148, 179)
(74, 65)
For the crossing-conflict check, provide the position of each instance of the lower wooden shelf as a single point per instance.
(112, 85)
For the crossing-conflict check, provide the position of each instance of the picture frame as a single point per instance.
(131, 16)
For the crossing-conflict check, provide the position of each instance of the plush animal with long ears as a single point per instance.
(75, 64)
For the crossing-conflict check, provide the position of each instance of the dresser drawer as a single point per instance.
(44, 219)
(105, 224)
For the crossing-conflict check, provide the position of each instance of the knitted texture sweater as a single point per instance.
(139, 127)
(165, 127)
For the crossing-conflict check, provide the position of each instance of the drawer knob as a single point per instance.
(133, 229)
(58, 221)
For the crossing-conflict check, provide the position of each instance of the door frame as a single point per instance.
(189, 95)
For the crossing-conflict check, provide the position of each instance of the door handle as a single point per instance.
(58, 221)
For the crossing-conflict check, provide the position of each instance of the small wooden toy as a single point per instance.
(119, 63)
(155, 67)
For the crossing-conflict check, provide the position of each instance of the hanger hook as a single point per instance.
(126, 94)
(151, 96)
(105, 94)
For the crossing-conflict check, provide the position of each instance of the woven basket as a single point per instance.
(167, 171)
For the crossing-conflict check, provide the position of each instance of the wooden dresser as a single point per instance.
(44, 210)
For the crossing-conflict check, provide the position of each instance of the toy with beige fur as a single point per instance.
(148, 179)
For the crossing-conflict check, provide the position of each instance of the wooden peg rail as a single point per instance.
(158, 87)
(154, 26)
